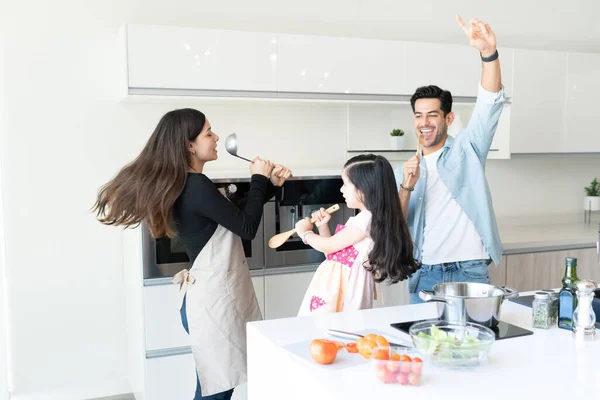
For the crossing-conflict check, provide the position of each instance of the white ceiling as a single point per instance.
(544, 24)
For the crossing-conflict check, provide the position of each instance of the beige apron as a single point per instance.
(220, 301)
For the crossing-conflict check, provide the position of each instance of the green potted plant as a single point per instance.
(591, 202)
(397, 139)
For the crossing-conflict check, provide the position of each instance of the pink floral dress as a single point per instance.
(341, 282)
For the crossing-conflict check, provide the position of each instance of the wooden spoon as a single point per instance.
(280, 238)
(418, 154)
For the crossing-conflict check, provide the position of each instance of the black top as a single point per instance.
(201, 208)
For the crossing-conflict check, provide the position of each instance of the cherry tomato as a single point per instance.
(414, 379)
(351, 348)
(401, 378)
(393, 365)
(384, 375)
(380, 353)
(416, 367)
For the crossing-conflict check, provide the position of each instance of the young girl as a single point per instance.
(373, 246)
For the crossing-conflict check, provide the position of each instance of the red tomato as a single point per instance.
(393, 366)
(351, 348)
(381, 353)
(384, 375)
(416, 367)
(323, 351)
(405, 357)
(414, 379)
(402, 378)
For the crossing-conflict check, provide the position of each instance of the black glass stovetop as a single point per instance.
(503, 330)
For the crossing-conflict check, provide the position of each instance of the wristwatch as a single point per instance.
(406, 188)
(491, 58)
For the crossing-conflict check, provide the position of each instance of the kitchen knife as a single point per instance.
(354, 336)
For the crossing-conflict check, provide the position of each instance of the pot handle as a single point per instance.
(428, 295)
(509, 293)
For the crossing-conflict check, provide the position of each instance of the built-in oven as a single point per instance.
(297, 199)
(166, 256)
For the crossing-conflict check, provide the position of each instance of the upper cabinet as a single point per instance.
(165, 60)
(539, 101)
(317, 64)
(554, 102)
(173, 58)
(456, 68)
(583, 86)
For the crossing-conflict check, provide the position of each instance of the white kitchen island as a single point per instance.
(549, 364)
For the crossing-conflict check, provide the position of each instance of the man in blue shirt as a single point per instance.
(444, 192)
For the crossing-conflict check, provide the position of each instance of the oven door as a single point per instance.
(164, 257)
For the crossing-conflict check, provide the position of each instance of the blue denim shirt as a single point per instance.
(461, 167)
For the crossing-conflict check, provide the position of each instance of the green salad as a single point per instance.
(452, 349)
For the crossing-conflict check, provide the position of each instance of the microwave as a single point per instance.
(164, 257)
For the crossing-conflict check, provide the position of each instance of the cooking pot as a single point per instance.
(462, 302)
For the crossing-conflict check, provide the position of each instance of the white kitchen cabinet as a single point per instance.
(583, 86)
(320, 64)
(171, 377)
(538, 105)
(259, 288)
(391, 295)
(284, 294)
(534, 271)
(456, 68)
(163, 328)
(167, 57)
(506, 56)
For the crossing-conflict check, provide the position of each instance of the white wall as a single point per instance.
(4, 391)
(65, 134)
(541, 184)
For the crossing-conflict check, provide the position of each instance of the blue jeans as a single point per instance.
(198, 396)
(461, 271)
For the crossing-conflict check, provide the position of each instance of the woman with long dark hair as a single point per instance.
(165, 187)
(374, 246)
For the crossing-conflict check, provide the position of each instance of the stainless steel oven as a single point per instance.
(165, 257)
(298, 199)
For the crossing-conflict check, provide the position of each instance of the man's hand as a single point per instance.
(411, 172)
(480, 36)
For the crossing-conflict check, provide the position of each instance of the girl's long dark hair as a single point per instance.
(146, 189)
(392, 254)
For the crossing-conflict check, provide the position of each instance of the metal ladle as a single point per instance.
(231, 145)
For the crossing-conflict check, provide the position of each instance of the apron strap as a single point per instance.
(183, 278)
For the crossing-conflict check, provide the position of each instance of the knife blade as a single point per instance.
(354, 336)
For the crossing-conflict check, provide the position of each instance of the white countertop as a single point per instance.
(525, 234)
(549, 364)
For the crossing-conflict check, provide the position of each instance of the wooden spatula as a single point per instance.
(419, 144)
(280, 238)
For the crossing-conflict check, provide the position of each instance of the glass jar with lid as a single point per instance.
(542, 310)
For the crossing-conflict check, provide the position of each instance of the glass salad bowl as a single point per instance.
(453, 346)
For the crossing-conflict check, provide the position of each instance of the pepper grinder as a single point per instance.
(584, 318)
